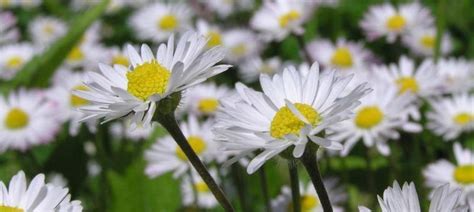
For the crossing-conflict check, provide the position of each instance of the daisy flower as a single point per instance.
(118, 56)
(205, 198)
(45, 30)
(343, 55)
(377, 119)
(276, 19)
(14, 56)
(158, 21)
(457, 75)
(37, 196)
(123, 130)
(422, 41)
(165, 155)
(251, 68)
(117, 91)
(387, 20)
(458, 175)
(27, 119)
(224, 8)
(293, 109)
(203, 99)
(212, 32)
(309, 198)
(241, 44)
(85, 56)
(8, 31)
(451, 116)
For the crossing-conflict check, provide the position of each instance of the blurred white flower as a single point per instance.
(44, 30)
(203, 99)
(13, 57)
(422, 41)
(8, 30)
(211, 32)
(224, 8)
(251, 68)
(123, 130)
(118, 56)
(241, 44)
(205, 197)
(457, 75)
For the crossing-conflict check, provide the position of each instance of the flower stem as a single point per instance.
(240, 185)
(168, 121)
(302, 44)
(263, 184)
(295, 187)
(311, 164)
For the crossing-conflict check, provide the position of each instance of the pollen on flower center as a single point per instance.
(76, 101)
(407, 84)
(285, 122)
(208, 105)
(201, 187)
(239, 49)
(10, 209)
(464, 174)
(75, 54)
(396, 23)
(288, 17)
(48, 29)
(14, 62)
(16, 119)
(148, 79)
(342, 57)
(368, 117)
(120, 59)
(463, 118)
(196, 143)
(168, 22)
(215, 39)
(427, 41)
(308, 202)
(266, 69)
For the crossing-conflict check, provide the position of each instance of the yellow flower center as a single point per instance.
(428, 41)
(196, 143)
(5, 3)
(464, 174)
(148, 79)
(120, 59)
(407, 84)
(368, 117)
(309, 202)
(396, 23)
(215, 39)
(48, 29)
(208, 105)
(288, 17)
(76, 101)
(16, 119)
(10, 209)
(285, 122)
(266, 69)
(168, 22)
(201, 187)
(75, 54)
(239, 50)
(463, 118)
(14, 62)
(342, 57)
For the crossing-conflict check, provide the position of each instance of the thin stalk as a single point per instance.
(295, 185)
(310, 162)
(193, 187)
(370, 171)
(168, 121)
(263, 184)
(302, 44)
(240, 185)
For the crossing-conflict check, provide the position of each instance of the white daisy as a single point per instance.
(377, 119)
(14, 56)
(85, 56)
(158, 21)
(457, 75)
(123, 130)
(118, 56)
(37, 196)
(458, 175)
(387, 20)
(8, 30)
(309, 198)
(27, 119)
(117, 91)
(165, 155)
(240, 44)
(451, 116)
(203, 99)
(205, 197)
(224, 8)
(343, 55)
(292, 108)
(251, 68)
(276, 19)
(422, 41)
(212, 32)
(45, 30)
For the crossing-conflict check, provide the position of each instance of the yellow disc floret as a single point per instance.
(14, 62)
(428, 41)
(76, 101)
(148, 79)
(368, 117)
(196, 143)
(208, 105)
(168, 22)
(407, 84)
(464, 174)
(396, 23)
(342, 57)
(239, 49)
(215, 39)
(463, 118)
(10, 209)
(16, 119)
(75, 54)
(201, 187)
(120, 59)
(309, 202)
(288, 17)
(285, 122)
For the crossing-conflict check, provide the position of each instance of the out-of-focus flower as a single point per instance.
(45, 30)
(293, 110)
(241, 44)
(20, 3)
(422, 41)
(118, 56)
(117, 92)
(123, 130)
(57, 179)
(211, 32)
(205, 198)
(203, 99)
(165, 155)
(14, 56)
(85, 56)
(8, 31)
(251, 68)
(451, 116)
(309, 198)
(457, 75)
(27, 119)
(276, 19)
(387, 20)
(224, 8)
(158, 21)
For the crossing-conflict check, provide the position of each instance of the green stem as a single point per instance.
(295, 187)
(240, 185)
(168, 121)
(311, 164)
(263, 184)
(370, 172)
(440, 25)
